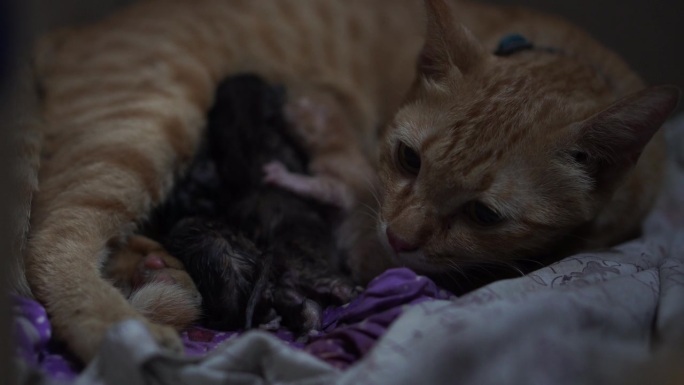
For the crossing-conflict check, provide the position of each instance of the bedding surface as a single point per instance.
(348, 332)
(590, 318)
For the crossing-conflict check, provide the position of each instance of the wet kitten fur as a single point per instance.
(125, 101)
(254, 250)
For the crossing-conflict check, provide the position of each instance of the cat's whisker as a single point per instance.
(371, 209)
(508, 265)
(454, 267)
(372, 188)
(370, 213)
(516, 268)
(577, 237)
(534, 261)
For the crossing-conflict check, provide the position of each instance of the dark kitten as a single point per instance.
(253, 249)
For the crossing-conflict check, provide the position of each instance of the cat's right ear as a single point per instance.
(450, 48)
(613, 140)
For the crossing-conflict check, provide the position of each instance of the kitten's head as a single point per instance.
(493, 158)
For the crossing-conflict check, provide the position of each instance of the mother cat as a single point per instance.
(488, 157)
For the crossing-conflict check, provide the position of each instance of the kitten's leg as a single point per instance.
(322, 188)
(305, 287)
(298, 312)
(155, 283)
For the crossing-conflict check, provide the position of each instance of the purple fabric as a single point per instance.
(348, 331)
(33, 332)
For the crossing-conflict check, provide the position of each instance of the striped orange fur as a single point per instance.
(124, 103)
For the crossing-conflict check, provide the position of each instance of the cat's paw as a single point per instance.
(164, 292)
(166, 336)
(85, 330)
(155, 283)
(160, 267)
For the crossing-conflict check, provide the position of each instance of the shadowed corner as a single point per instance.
(13, 44)
(651, 43)
(17, 27)
(21, 21)
(7, 370)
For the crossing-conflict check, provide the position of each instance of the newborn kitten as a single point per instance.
(252, 249)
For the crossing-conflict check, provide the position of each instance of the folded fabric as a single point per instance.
(348, 332)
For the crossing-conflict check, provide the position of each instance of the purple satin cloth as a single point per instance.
(348, 331)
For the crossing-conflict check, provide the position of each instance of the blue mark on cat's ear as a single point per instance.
(512, 43)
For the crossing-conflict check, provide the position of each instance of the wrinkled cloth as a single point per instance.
(588, 319)
(347, 332)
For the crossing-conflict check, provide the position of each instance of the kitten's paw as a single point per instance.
(340, 290)
(300, 300)
(299, 313)
(323, 189)
(275, 173)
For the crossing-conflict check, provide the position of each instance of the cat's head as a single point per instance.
(493, 158)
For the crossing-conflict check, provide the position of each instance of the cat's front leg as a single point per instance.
(83, 306)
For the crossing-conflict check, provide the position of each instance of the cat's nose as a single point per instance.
(399, 245)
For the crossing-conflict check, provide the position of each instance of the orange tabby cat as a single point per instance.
(488, 157)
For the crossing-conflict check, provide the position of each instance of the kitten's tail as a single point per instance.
(259, 289)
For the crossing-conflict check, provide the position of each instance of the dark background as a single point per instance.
(648, 33)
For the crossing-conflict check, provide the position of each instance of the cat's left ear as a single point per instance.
(614, 139)
(449, 46)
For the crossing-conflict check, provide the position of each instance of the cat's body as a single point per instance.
(491, 137)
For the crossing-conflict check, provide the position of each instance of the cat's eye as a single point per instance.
(408, 159)
(482, 215)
